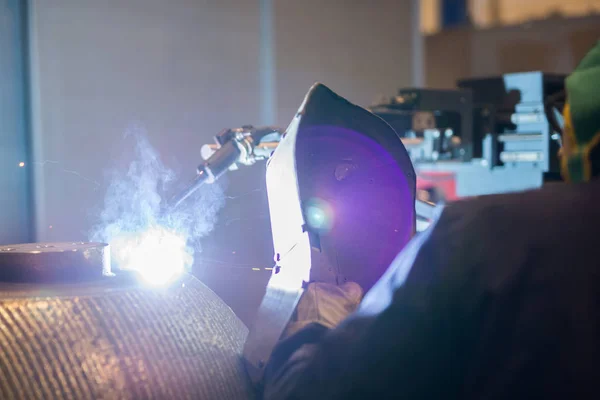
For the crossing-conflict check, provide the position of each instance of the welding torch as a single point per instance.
(245, 146)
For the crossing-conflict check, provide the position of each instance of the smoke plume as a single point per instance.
(141, 238)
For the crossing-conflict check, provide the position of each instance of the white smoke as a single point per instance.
(142, 239)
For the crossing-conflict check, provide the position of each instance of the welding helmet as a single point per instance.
(341, 177)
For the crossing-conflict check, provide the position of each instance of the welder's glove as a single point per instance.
(324, 304)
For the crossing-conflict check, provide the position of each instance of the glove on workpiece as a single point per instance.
(325, 304)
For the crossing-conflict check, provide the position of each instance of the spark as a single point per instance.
(21, 164)
(69, 171)
(246, 194)
(240, 219)
(207, 260)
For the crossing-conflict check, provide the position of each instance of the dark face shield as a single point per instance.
(342, 179)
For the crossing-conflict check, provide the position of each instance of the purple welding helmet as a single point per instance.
(342, 177)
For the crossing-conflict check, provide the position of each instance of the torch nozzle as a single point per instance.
(201, 178)
(208, 172)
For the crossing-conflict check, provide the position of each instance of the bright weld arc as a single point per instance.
(157, 255)
(158, 248)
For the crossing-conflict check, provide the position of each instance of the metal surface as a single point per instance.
(113, 339)
(54, 262)
(345, 155)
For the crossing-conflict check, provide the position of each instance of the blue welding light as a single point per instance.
(319, 214)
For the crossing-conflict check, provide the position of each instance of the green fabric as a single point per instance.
(576, 168)
(583, 92)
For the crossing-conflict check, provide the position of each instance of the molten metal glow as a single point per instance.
(157, 254)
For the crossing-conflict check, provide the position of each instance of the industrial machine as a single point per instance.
(487, 136)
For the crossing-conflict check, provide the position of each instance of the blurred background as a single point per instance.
(76, 74)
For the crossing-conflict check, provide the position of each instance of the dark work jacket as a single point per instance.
(499, 299)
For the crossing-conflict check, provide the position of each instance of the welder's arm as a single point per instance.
(322, 307)
(405, 339)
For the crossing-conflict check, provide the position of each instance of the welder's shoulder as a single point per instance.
(517, 218)
(489, 239)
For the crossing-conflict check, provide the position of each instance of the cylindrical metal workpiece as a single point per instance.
(111, 337)
(54, 262)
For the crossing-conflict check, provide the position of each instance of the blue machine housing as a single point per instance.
(492, 134)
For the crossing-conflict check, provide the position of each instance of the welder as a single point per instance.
(498, 299)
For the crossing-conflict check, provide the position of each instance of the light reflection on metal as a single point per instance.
(112, 338)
